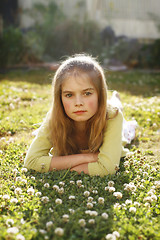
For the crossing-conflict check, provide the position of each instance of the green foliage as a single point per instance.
(12, 48)
(57, 35)
(35, 205)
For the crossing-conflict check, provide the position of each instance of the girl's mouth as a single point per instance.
(79, 112)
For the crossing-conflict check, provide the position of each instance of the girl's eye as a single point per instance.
(87, 93)
(68, 95)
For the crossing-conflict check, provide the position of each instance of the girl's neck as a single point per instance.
(80, 128)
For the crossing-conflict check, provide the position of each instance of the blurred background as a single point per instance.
(121, 33)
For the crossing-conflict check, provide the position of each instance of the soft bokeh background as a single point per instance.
(121, 33)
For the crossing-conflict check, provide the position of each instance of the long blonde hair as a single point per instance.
(61, 126)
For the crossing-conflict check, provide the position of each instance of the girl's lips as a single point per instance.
(80, 112)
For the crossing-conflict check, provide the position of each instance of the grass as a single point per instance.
(63, 204)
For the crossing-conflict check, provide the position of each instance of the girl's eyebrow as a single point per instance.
(84, 90)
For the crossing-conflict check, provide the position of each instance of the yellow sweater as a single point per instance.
(39, 154)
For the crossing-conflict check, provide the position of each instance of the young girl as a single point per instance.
(81, 132)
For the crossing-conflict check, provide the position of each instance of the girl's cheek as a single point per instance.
(66, 106)
(93, 105)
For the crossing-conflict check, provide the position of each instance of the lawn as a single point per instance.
(63, 204)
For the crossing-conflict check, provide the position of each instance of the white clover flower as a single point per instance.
(132, 209)
(9, 222)
(24, 181)
(50, 209)
(110, 237)
(86, 193)
(101, 200)
(106, 188)
(46, 185)
(126, 164)
(104, 215)
(117, 206)
(94, 191)
(22, 221)
(110, 184)
(91, 221)
(38, 194)
(72, 182)
(82, 222)
(20, 237)
(49, 224)
(55, 187)
(116, 234)
(130, 187)
(6, 197)
(61, 190)
(111, 189)
(61, 183)
(118, 195)
(71, 197)
(79, 183)
(59, 231)
(65, 217)
(30, 191)
(89, 205)
(137, 204)
(18, 191)
(18, 179)
(13, 230)
(93, 213)
(128, 202)
(90, 199)
(87, 212)
(154, 198)
(45, 199)
(14, 200)
(147, 199)
(72, 211)
(42, 231)
(24, 170)
(58, 201)
(147, 205)
(15, 170)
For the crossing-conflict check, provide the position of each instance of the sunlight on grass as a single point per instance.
(63, 204)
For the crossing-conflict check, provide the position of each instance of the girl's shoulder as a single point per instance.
(112, 111)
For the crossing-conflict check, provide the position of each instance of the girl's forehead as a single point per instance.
(77, 82)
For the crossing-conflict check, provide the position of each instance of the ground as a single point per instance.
(65, 205)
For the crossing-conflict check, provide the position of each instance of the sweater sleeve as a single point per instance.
(111, 150)
(38, 157)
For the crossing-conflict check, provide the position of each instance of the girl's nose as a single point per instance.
(78, 101)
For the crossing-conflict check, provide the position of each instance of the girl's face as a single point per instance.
(79, 98)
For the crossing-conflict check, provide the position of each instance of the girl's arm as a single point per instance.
(73, 161)
(81, 168)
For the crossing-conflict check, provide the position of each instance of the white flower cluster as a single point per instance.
(30, 191)
(157, 184)
(58, 201)
(118, 195)
(91, 213)
(113, 236)
(101, 200)
(59, 231)
(45, 199)
(58, 189)
(151, 197)
(82, 222)
(130, 187)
